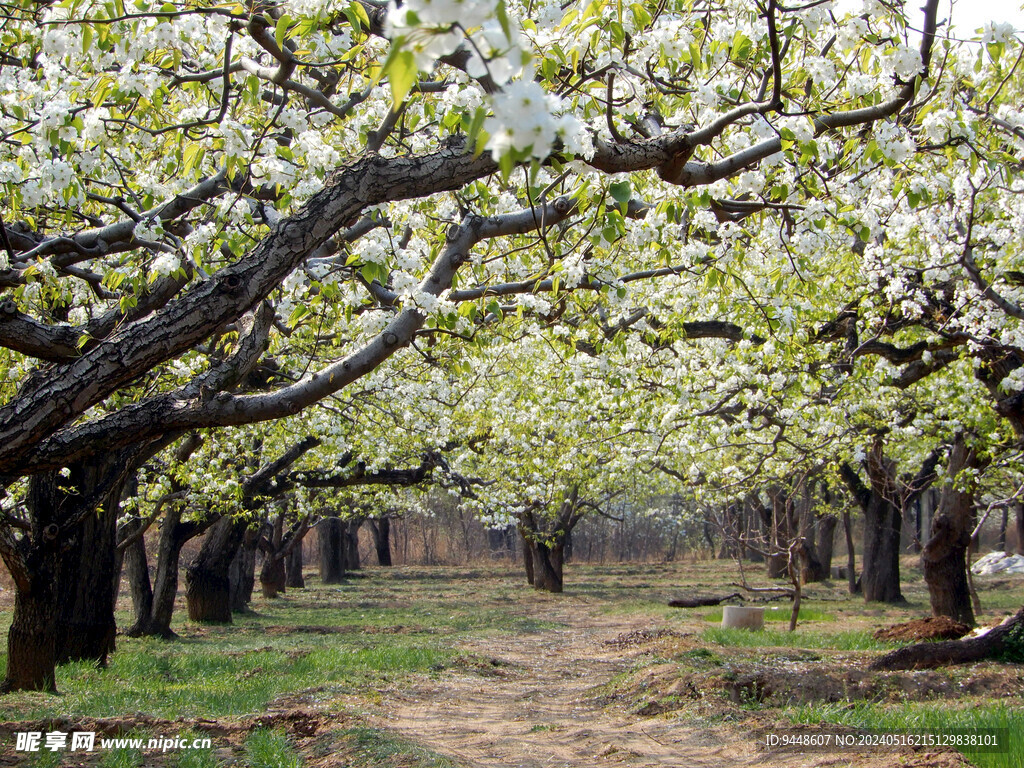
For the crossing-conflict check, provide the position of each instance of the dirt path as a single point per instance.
(538, 707)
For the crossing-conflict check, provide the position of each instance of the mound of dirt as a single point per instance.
(932, 628)
(642, 637)
(668, 687)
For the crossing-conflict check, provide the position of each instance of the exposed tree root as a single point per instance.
(993, 643)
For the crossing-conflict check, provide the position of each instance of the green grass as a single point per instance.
(123, 758)
(271, 749)
(780, 613)
(41, 759)
(771, 638)
(373, 747)
(926, 718)
(194, 758)
(171, 680)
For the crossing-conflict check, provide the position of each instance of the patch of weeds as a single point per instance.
(701, 657)
(1013, 650)
(121, 758)
(271, 749)
(541, 727)
(176, 680)
(42, 759)
(372, 747)
(768, 638)
(194, 758)
(926, 718)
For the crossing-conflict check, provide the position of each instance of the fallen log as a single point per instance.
(701, 602)
(1006, 638)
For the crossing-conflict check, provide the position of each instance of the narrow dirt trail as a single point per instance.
(538, 708)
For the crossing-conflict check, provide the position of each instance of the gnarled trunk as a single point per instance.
(88, 567)
(352, 544)
(136, 569)
(293, 567)
(32, 638)
(332, 550)
(381, 529)
(880, 578)
(207, 582)
(242, 573)
(544, 541)
(945, 554)
(547, 566)
(527, 558)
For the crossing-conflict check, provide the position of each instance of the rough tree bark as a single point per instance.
(277, 545)
(544, 541)
(135, 565)
(1019, 527)
(273, 575)
(882, 501)
(381, 529)
(331, 549)
(242, 572)
(351, 529)
(207, 582)
(153, 615)
(945, 554)
(293, 566)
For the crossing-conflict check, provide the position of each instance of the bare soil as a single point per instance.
(919, 630)
(549, 703)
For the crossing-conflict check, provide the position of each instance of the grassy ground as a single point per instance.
(292, 684)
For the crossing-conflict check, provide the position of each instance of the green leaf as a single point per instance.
(503, 20)
(191, 157)
(400, 69)
(621, 191)
(282, 29)
(359, 13)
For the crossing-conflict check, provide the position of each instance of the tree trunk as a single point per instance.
(381, 529)
(547, 566)
(173, 536)
(880, 578)
(352, 543)
(544, 542)
(242, 573)
(826, 539)
(88, 567)
(945, 554)
(332, 550)
(207, 583)
(883, 520)
(273, 576)
(32, 637)
(781, 533)
(851, 556)
(136, 570)
(64, 570)
(293, 566)
(1019, 519)
(31, 640)
(86, 582)
(528, 559)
